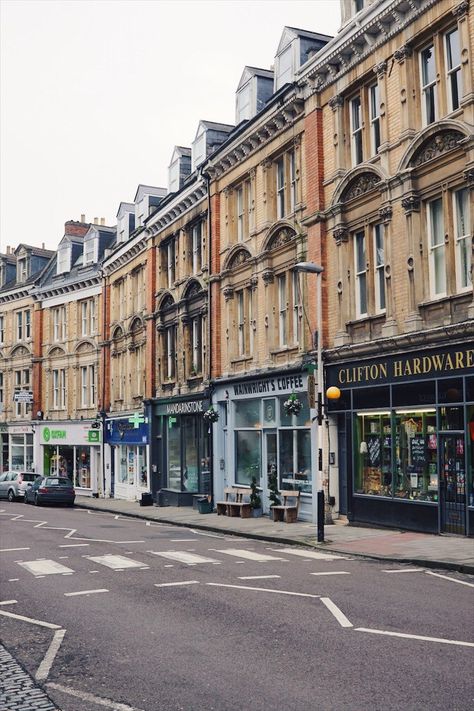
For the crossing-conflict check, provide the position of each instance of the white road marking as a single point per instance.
(248, 555)
(169, 565)
(416, 636)
(208, 535)
(340, 616)
(85, 592)
(257, 577)
(182, 540)
(404, 570)
(45, 567)
(40, 623)
(267, 590)
(8, 602)
(170, 585)
(116, 562)
(85, 696)
(453, 580)
(333, 572)
(13, 580)
(309, 554)
(73, 545)
(184, 557)
(46, 664)
(7, 550)
(63, 557)
(93, 571)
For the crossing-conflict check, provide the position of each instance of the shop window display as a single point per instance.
(416, 455)
(247, 456)
(295, 460)
(373, 473)
(470, 455)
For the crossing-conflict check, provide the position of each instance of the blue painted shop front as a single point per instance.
(128, 439)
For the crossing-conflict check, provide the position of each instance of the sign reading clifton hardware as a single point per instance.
(456, 360)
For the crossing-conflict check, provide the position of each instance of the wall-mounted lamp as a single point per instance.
(39, 415)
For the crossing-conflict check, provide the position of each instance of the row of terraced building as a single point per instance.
(354, 154)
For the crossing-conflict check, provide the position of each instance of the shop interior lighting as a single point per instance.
(415, 410)
(369, 414)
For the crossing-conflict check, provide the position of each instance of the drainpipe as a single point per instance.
(207, 178)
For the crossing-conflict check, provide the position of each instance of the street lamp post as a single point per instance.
(316, 416)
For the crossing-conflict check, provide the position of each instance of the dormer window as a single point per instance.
(90, 251)
(244, 109)
(64, 259)
(199, 150)
(173, 176)
(284, 73)
(22, 269)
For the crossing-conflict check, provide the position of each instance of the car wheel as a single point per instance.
(11, 496)
(37, 501)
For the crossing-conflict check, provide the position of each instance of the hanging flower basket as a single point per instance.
(211, 415)
(293, 406)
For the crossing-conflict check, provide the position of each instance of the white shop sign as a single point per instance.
(57, 434)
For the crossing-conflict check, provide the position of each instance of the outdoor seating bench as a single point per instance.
(233, 505)
(287, 511)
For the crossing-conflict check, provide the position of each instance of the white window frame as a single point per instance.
(355, 115)
(196, 344)
(2, 329)
(453, 71)
(22, 382)
(374, 113)
(22, 270)
(1, 391)
(379, 267)
(90, 254)
(241, 322)
(243, 100)
(84, 318)
(428, 87)
(280, 187)
(59, 389)
(63, 263)
(251, 339)
(196, 240)
(170, 338)
(292, 166)
(360, 271)
(282, 310)
(170, 263)
(92, 316)
(296, 308)
(284, 73)
(436, 251)
(84, 388)
(463, 240)
(19, 325)
(239, 196)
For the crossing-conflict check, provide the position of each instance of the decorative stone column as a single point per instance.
(341, 237)
(411, 205)
(403, 55)
(390, 327)
(337, 105)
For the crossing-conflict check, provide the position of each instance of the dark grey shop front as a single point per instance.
(181, 451)
(406, 439)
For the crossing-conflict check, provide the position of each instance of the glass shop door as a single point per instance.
(453, 484)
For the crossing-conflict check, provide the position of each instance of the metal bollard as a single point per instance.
(321, 516)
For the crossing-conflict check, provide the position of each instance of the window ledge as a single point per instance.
(445, 298)
(284, 349)
(241, 359)
(367, 319)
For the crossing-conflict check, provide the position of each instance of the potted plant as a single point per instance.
(255, 499)
(273, 487)
(211, 415)
(293, 406)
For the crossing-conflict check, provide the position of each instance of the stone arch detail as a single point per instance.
(236, 257)
(357, 182)
(435, 140)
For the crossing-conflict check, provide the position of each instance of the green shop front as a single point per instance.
(72, 450)
(405, 425)
(181, 450)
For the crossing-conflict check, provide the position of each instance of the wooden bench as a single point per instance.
(288, 511)
(234, 505)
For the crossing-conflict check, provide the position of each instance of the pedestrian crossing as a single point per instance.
(119, 563)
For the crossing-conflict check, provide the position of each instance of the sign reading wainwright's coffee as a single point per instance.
(392, 369)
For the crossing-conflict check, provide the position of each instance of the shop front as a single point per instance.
(182, 450)
(406, 439)
(17, 448)
(72, 450)
(128, 441)
(256, 437)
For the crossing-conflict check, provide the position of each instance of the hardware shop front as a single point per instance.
(406, 439)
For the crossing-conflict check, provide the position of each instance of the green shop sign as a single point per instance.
(93, 436)
(49, 434)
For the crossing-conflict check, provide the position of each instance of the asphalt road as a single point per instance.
(117, 613)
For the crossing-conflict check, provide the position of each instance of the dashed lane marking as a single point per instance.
(265, 590)
(116, 562)
(185, 557)
(8, 602)
(257, 577)
(182, 582)
(248, 555)
(45, 567)
(333, 572)
(453, 580)
(333, 609)
(86, 592)
(403, 570)
(73, 545)
(416, 636)
(8, 550)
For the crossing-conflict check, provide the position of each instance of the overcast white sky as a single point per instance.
(96, 93)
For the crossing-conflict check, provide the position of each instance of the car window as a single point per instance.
(12, 476)
(52, 482)
(29, 477)
(65, 482)
(3, 477)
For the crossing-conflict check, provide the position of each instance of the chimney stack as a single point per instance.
(8, 249)
(96, 220)
(42, 245)
(83, 218)
(102, 220)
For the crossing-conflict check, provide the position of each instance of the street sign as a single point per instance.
(23, 396)
(311, 392)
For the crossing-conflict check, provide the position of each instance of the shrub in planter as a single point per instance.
(293, 406)
(255, 498)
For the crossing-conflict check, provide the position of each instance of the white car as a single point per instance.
(14, 484)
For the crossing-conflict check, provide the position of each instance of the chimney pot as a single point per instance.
(102, 220)
(83, 218)
(42, 245)
(96, 220)
(8, 249)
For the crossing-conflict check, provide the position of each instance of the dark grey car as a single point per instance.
(13, 485)
(51, 490)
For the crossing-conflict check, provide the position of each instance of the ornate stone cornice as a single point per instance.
(335, 102)
(461, 9)
(182, 206)
(380, 69)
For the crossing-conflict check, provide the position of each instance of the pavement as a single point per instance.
(433, 551)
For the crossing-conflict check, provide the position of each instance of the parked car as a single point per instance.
(13, 485)
(51, 490)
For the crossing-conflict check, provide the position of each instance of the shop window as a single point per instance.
(450, 390)
(371, 397)
(190, 454)
(470, 389)
(470, 454)
(416, 455)
(247, 413)
(373, 454)
(295, 460)
(420, 393)
(21, 452)
(451, 418)
(247, 456)
(303, 419)
(82, 473)
(174, 454)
